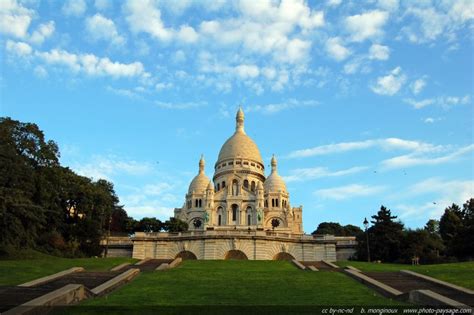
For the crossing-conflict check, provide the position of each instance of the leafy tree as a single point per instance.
(175, 225)
(336, 229)
(385, 238)
(149, 225)
(449, 226)
(332, 228)
(422, 244)
(44, 205)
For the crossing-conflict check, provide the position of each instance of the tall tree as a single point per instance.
(449, 226)
(385, 238)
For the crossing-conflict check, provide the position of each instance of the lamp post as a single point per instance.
(366, 225)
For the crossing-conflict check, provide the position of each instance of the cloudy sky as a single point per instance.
(364, 103)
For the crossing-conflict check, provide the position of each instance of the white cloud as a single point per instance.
(278, 107)
(443, 192)
(42, 32)
(389, 5)
(430, 120)
(187, 34)
(389, 84)
(106, 167)
(416, 158)
(443, 101)
(247, 71)
(102, 5)
(163, 86)
(18, 48)
(91, 64)
(366, 25)
(336, 50)
(385, 144)
(333, 3)
(14, 18)
(379, 52)
(144, 16)
(74, 8)
(349, 191)
(417, 86)
(99, 28)
(40, 72)
(303, 174)
(419, 104)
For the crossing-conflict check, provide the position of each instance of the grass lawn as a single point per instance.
(35, 265)
(457, 273)
(256, 286)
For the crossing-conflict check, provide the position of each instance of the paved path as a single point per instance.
(320, 266)
(11, 296)
(406, 283)
(149, 265)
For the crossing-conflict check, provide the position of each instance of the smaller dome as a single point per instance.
(200, 182)
(274, 181)
(210, 186)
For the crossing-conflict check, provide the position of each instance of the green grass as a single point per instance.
(35, 265)
(457, 273)
(253, 285)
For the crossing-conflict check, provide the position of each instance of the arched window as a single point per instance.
(249, 215)
(252, 187)
(276, 202)
(219, 220)
(246, 184)
(200, 203)
(218, 187)
(196, 202)
(273, 202)
(223, 184)
(234, 212)
(235, 187)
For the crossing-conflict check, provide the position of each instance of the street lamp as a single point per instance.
(366, 225)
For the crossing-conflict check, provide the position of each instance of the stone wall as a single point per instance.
(255, 245)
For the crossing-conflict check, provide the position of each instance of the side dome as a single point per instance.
(239, 145)
(201, 181)
(274, 181)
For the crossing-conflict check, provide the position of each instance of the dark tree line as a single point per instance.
(449, 239)
(46, 206)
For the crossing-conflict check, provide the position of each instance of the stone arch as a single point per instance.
(235, 254)
(186, 255)
(283, 256)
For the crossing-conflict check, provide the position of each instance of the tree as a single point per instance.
(449, 226)
(385, 238)
(336, 229)
(149, 225)
(44, 205)
(175, 225)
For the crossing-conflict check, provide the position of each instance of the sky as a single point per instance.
(364, 103)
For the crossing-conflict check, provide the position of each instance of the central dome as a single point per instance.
(239, 145)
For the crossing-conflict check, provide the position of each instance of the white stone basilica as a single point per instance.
(241, 196)
(240, 214)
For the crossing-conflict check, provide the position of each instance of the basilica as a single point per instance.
(240, 196)
(240, 214)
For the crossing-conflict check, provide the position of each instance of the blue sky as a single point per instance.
(364, 103)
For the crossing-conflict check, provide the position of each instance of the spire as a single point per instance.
(239, 119)
(274, 164)
(201, 164)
